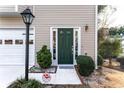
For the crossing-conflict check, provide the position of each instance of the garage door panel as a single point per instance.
(14, 53)
(11, 60)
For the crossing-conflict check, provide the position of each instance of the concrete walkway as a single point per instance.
(63, 76)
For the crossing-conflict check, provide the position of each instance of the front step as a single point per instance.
(66, 67)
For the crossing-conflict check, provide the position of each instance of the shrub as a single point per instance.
(86, 65)
(109, 48)
(44, 57)
(22, 83)
(120, 59)
(100, 60)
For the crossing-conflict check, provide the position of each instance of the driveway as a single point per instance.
(9, 74)
(63, 76)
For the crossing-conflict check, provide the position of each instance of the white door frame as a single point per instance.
(52, 29)
(21, 27)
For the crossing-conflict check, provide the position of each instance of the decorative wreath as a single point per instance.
(46, 77)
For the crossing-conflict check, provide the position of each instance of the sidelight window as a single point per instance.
(54, 45)
(76, 44)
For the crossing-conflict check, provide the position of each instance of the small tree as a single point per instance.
(44, 57)
(110, 48)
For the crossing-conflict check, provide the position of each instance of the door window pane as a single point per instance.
(18, 42)
(8, 42)
(0, 42)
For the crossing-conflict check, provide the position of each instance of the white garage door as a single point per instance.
(12, 46)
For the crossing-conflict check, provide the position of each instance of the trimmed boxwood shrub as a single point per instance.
(100, 60)
(85, 65)
(44, 57)
(22, 83)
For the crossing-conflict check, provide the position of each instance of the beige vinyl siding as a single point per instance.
(50, 16)
(11, 22)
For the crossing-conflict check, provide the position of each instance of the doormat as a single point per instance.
(66, 67)
(36, 69)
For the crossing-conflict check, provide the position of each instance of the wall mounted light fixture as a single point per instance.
(86, 27)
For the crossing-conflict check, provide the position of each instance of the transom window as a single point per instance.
(0, 41)
(18, 42)
(9, 42)
(31, 42)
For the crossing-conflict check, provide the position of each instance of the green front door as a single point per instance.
(65, 43)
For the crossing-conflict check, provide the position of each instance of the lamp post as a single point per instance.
(27, 17)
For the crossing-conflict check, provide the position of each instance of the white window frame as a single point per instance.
(55, 62)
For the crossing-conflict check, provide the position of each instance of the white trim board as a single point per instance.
(96, 38)
(55, 62)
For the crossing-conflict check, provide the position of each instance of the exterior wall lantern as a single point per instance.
(27, 17)
(86, 27)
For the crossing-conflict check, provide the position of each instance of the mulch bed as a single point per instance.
(115, 68)
(80, 77)
(34, 69)
(64, 86)
(95, 80)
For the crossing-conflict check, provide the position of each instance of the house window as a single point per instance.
(76, 44)
(18, 42)
(0, 42)
(8, 41)
(54, 45)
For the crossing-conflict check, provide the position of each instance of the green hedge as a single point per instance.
(86, 65)
(100, 60)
